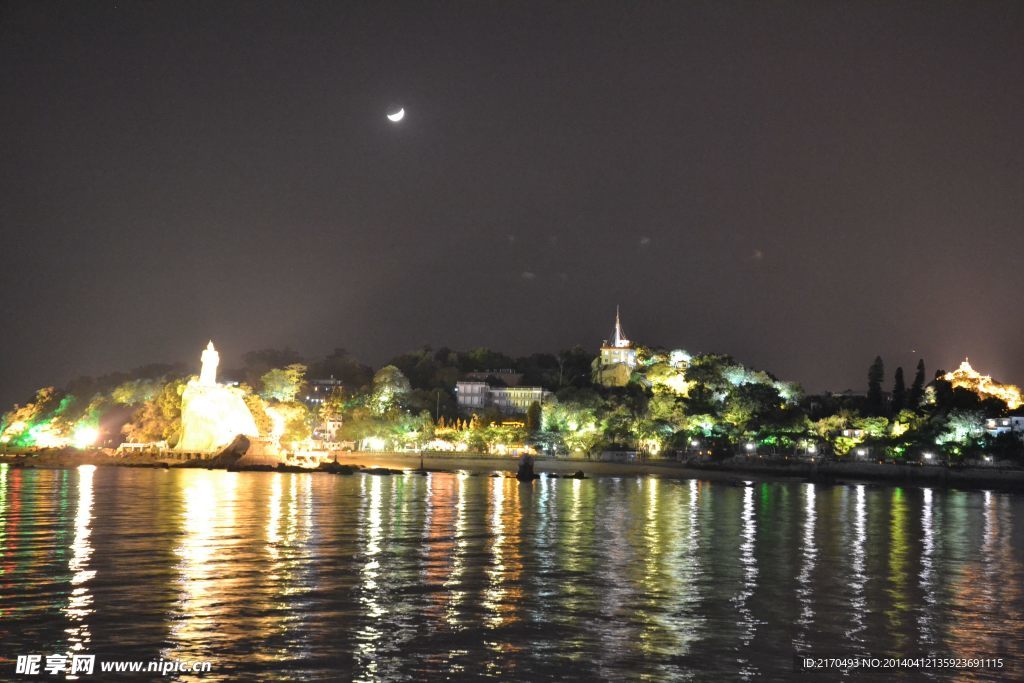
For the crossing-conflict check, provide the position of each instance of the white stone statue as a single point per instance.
(212, 415)
(211, 359)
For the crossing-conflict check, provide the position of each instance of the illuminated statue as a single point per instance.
(211, 359)
(212, 414)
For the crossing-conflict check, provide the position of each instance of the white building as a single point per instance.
(1002, 425)
(510, 377)
(619, 349)
(614, 367)
(509, 400)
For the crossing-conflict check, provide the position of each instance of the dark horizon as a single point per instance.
(801, 186)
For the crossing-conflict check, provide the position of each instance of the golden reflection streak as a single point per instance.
(286, 535)
(3, 506)
(371, 634)
(438, 544)
(274, 517)
(655, 585)
(569, 552)
(494, 593)
(293, 568)
(989, 589)
(572, 554)
(573, 563)
(502, 595)
(208, 519)
(454, 587)
(79, 605)
(291, 531)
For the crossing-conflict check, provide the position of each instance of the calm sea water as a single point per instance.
(313, 576)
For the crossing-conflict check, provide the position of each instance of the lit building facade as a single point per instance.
(472, 395)
(1013, 424)
(618, 358)
(318, 390)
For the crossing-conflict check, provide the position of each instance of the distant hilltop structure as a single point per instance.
(212, 414)
(967, 377)
(615, 365)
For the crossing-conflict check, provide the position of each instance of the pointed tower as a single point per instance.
(618, 357)
(619, 340)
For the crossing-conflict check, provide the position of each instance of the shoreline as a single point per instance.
(970, 478)
(824, 473)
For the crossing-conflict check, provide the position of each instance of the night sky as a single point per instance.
(802, 185)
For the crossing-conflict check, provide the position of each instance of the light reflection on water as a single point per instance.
(370, 597)
(927, 574)
(858, 566)
(286, 576)
(808, 554)
(79, 605)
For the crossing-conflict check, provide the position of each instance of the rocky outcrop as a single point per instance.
(212, 417)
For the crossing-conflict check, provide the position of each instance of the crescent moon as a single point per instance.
(397, 116)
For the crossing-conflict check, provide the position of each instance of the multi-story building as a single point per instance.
(317, 390)
(510, 377)
(509, 400)
(1001, 425)
(470, 395)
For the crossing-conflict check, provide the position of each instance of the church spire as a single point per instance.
(618, 339)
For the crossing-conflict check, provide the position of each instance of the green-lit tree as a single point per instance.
(158, 419)
(136, 391)
(963, 432)
(390, 389)
(283, 384)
